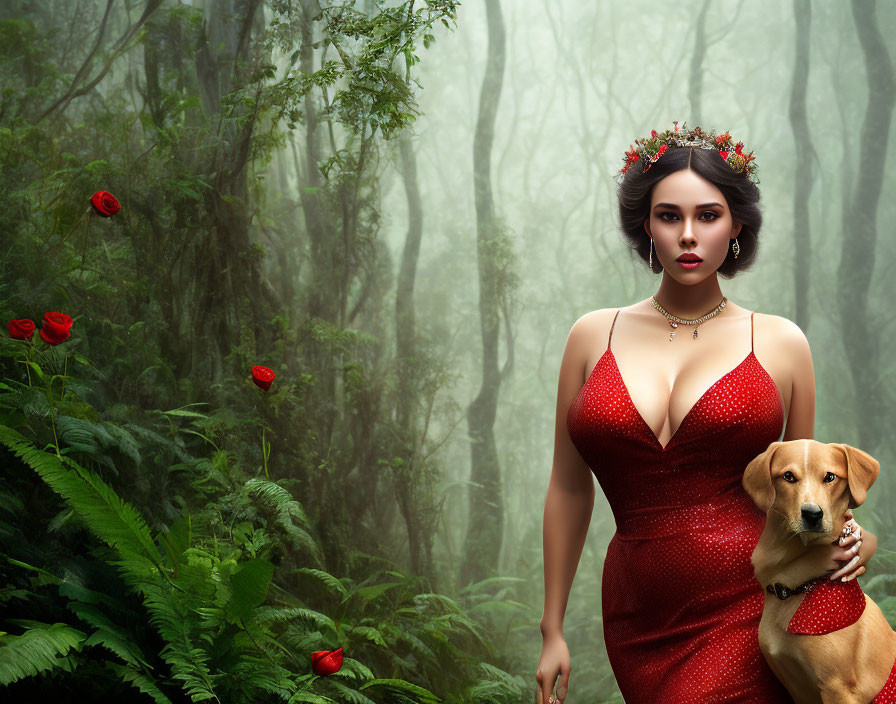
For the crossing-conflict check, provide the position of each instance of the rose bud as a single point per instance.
(21, 329)
(263, 376)
(326, 662)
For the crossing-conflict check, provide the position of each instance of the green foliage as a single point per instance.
(221, 639)
(41, 647)
(128, 510)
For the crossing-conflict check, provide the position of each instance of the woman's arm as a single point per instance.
(570, 495)
(801, 418)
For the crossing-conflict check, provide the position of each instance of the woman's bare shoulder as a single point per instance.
(779, 328)
(784, 340)
(593, 323)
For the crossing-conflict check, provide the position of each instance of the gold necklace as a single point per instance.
(675, 320)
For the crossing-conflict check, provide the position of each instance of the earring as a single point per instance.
(651, 253)
(736, 248)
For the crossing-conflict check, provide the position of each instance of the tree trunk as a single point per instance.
(485, 525)
(409, 478)
(859, 240)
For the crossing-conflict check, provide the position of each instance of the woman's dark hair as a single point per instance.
(741, 193)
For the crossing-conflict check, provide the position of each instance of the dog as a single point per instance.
(839, 647)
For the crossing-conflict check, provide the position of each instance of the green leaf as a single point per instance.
(112, 519)
(250, 587)
(424, 695)
(141, 681)
(185, 414)
(39, 649)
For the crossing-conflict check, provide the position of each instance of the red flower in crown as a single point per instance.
(662, 150)
(21, 329)
(55, 328)
(263, 376)
(653, 134)
(723, 154)
(738, 147)
(326, 662)
(105, 204)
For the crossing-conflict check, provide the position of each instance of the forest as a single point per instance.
(287, 286)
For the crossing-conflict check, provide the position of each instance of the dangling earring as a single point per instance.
(735, 247)
(651, 253)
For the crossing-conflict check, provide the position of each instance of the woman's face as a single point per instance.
(689, 214)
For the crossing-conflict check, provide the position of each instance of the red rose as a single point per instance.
(262, 376)
(326, 662)
(56, 328)
(21, 329)
(105, 204)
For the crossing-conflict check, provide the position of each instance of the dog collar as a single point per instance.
(782, 591)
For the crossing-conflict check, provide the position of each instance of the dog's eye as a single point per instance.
(788, 476)
(829, 477)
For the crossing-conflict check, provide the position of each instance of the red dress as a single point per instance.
(681, 605)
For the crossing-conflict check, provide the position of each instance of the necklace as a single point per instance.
(675, 320)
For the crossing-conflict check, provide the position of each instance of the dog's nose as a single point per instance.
(812, 513)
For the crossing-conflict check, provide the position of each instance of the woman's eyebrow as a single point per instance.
(675, 207)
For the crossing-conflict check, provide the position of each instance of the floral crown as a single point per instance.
(651, 149)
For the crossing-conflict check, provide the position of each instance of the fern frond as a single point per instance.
(349, 695)
(310, 698)
(111, 518)
(289, 513)
(108, 634)
(259, 674)
(368, 633)
(188, 663)
(38, 649)
(140, 680)
(326, 578)
(401, 687)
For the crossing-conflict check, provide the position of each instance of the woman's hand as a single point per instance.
(554, 661)
(855, 547)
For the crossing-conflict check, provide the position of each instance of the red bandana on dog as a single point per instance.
(888, 693)
(828, 606)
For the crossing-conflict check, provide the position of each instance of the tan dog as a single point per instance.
(804, 487)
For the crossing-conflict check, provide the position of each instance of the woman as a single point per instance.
(667, 420)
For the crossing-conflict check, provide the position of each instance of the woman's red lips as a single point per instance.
(689, 258)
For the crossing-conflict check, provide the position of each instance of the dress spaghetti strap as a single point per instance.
(611, 329)
(751, 332)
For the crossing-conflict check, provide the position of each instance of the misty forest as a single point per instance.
(288, 283)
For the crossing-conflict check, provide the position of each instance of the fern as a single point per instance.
(38, 649)
(288, 512)
(326, 578)
(112, 519)
(398, 688)
(109, 634)
(118, 524)
(188, 663)
(140, 680)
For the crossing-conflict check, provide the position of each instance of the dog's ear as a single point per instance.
(757, 479)
(861, 472)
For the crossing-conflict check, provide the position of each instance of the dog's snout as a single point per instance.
(812, 513)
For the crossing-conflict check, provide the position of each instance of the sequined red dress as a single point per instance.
(681, 605)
